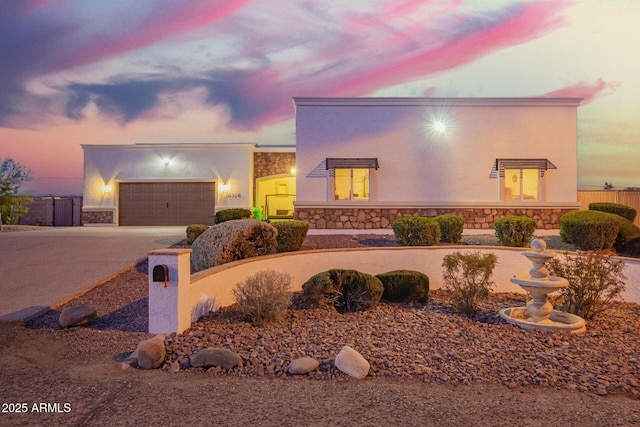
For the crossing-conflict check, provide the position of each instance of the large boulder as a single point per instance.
(77, 315)
(231, 241)
(303, 365)
(150, 353)
(222, 357)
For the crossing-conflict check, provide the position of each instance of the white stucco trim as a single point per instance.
(438, 205)
(453, 102)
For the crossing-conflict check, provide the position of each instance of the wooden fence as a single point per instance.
(623, 197)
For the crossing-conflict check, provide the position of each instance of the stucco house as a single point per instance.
(364, 162)
(357, 163)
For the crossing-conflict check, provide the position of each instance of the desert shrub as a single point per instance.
(231, 214)
(595, 281)
(291, 235)
(451, 228)
(405, 286)
(589, 230)
(264, 297)
(467, 277)
(624, 211)
(345, 290)
(628, 235)
(515, 230)
(195, 230)
(416, 231)
(231, 241)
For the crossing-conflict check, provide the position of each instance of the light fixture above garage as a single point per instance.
(224, 187)
(106, 188)
(293, 170)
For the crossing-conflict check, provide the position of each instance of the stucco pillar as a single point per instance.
(169, 303)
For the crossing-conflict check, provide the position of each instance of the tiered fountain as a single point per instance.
(539, 312)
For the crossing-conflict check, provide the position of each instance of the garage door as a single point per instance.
(166, 203)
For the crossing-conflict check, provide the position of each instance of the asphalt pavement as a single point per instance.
(39, 269)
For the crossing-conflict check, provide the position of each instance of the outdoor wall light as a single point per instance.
(166, 161)
(106, 188)
(439, 126)
(224, 187)
(293, 170)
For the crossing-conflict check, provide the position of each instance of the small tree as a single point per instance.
(13, 205)
(467, 276)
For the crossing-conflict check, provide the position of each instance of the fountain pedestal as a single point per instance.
(539, 312)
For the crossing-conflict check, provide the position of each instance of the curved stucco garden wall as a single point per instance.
(218, 282)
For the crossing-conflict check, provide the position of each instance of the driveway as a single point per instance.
(41, 268)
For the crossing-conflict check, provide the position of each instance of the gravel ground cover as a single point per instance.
(430, 366)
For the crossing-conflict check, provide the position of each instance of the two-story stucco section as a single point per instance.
(363, 162)
(165, 184)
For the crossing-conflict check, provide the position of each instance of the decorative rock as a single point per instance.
(77, 315)
(352, 363)
(222, 357)
(303, 365)
(151, 352)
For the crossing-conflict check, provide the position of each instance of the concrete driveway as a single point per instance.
(41, 268)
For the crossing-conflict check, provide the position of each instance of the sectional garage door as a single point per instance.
(166, 203)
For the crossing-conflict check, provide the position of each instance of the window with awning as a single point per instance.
(351, 177)
(520, 179)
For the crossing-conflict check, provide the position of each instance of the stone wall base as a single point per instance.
(367, 218)
(97, 217)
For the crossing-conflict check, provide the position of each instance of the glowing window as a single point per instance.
(521, 184)
(351, 184)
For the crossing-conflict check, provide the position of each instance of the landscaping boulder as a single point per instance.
(303, 365)
(352, 363)
(222, 357)
(77, 315)
(151, 352)
(231, 241)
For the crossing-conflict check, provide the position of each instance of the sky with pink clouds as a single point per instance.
(120, 72)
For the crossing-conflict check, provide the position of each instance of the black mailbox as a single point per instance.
(160, 273)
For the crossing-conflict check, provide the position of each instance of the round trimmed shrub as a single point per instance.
(416, 231)
(195, 230)
(589, 230)
(515, 230)
(231, 214)
(405, 286)
(291, 235)
(624, 211)
(628, 238)
(451, 228)
(344, 290)
(231, 241)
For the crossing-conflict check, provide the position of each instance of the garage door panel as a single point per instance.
(166, 203)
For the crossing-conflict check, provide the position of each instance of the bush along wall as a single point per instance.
(194, 231)
(405, 286)
(291, 235)
(417, 231)
(515, 230)
(230, 214)
(589, 230)
(344, 290)
(451, 228)
(624, 211)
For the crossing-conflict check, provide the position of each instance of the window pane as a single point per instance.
(512, 184)
(530, 182)
(343, 184)
(360, 184)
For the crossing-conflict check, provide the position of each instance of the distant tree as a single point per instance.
(12, 204)
(608, 186)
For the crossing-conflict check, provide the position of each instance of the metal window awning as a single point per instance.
(355, 163)
(501, 164)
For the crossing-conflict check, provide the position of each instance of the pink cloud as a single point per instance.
(585, 90)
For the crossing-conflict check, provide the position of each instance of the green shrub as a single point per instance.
(589, 230)
(451, 228)
(416, 231)
(515, 230)
(595, 281)
(195, 230)
(291, 235)
(264, 297)
(467, 277)
(230, 214)
(624, 211)
(345, 290)
(405, 286)
(231, 241)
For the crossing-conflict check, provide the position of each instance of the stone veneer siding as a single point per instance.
(366, 218)
(97, 217)
(265, 164)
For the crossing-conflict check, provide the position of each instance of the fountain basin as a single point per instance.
(535, 286)
(558, 321)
